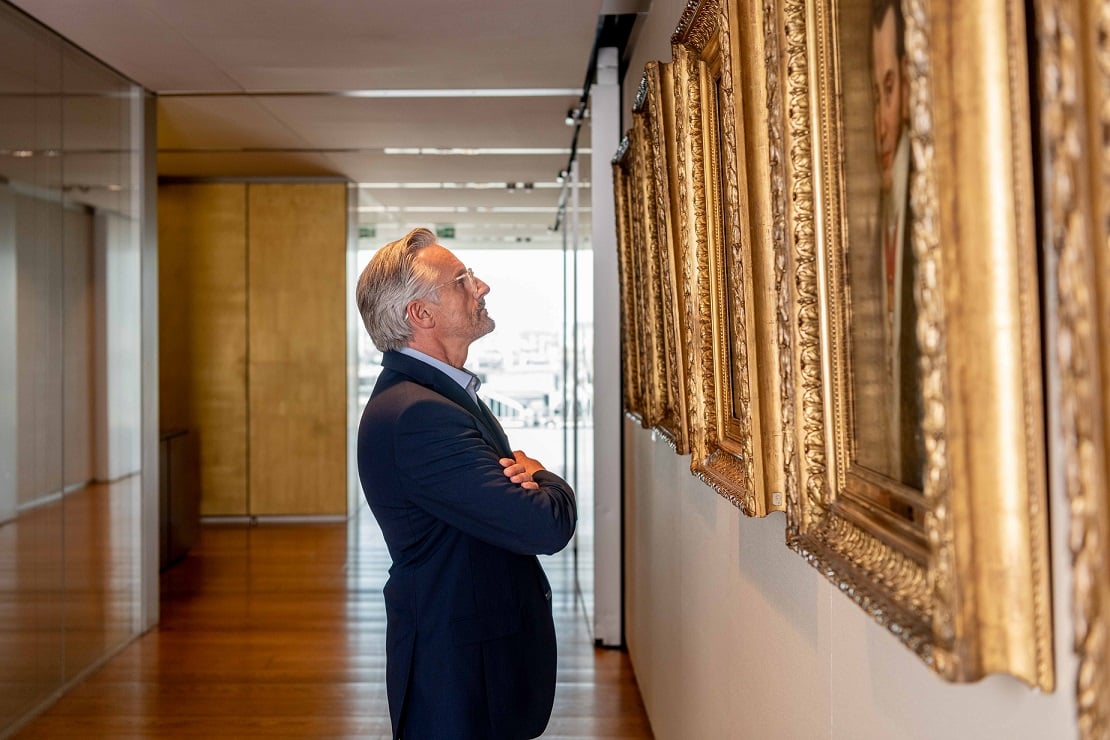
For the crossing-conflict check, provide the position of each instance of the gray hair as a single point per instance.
(391, 281)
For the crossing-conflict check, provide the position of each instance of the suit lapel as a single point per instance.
(494, 426)
(430, 377)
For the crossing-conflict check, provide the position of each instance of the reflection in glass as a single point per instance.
(69, 365)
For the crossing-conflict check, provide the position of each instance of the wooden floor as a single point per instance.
(279, 631)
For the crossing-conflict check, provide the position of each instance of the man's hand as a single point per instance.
(520, 469)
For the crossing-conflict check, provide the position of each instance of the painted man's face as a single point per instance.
(889, 95)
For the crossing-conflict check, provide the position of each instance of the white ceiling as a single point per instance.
(295, 88)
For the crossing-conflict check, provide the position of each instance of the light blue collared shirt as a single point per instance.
(468, 380)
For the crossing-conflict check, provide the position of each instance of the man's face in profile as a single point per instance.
(889, 94)
(461, 299)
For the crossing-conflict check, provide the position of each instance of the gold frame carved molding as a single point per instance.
(632, 393)
(652, 361)
(655, 121)
(642, 268)
(725, 235)
(959, 570)
(1074, 86)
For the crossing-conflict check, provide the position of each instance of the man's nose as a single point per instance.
(482, 286)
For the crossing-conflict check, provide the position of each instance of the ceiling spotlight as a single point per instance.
(577, 115)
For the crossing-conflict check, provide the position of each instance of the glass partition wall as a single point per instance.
(69, 365)
(578, 385)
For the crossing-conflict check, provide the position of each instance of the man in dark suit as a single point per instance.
(470, 642)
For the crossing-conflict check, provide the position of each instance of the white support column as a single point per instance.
(145, 193)
(574, 376)
(354, 329)
(608, 556)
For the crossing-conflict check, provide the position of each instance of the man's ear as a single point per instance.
(420, 315)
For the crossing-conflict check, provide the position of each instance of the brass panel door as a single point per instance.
(298, 348)
(202, 327)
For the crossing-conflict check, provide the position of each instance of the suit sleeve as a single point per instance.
(453, 473)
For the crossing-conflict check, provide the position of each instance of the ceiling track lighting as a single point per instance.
(575, 116)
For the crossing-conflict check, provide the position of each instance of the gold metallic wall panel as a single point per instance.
(202, 325)
(297, 337)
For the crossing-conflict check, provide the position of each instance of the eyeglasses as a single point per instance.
(468, 276)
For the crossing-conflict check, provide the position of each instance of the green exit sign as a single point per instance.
(367, 232)
(445, 232)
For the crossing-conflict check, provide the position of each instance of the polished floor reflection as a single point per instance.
(279, 630)
(67, 590)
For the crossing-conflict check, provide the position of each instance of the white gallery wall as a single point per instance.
(733, 635)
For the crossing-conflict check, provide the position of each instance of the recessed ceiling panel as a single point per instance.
(245, 164)
(376, 166)
(360, 123)
(331, 45)
(354, 44)
(134, 38)
(466, 198)
(222, 123)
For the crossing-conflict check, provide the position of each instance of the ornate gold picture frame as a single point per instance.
(941, 533)
(725, 237)
(632, 386)
(644, 345)
(654, 123)
(1074, 86)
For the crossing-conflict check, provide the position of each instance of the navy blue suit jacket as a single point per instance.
(470, 643)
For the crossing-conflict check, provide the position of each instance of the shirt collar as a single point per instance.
(468, 380)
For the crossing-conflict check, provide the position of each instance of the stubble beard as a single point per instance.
(485, 323)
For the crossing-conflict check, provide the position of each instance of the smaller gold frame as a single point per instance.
(724, 221)
(644, 344)
(632, 385)
(654, 126)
